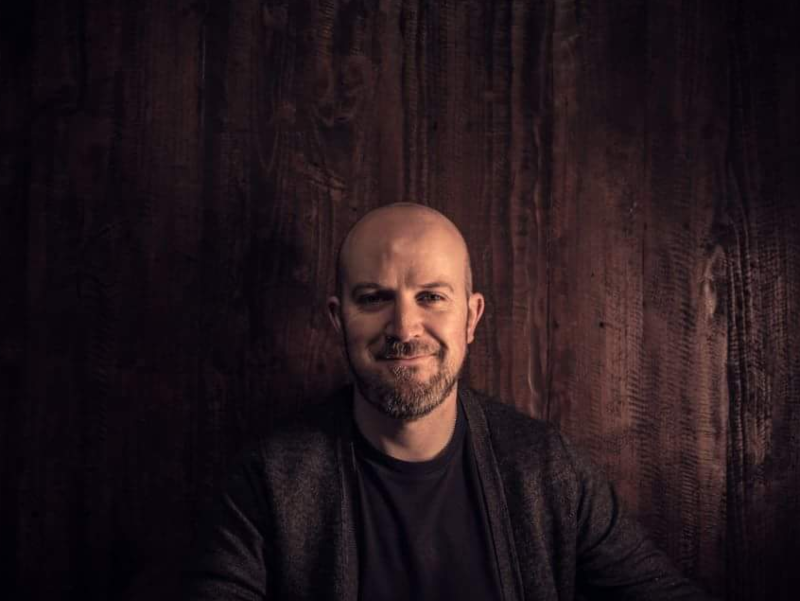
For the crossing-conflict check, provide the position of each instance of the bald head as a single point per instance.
(390, 227)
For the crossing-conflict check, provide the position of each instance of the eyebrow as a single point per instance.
(365, 286)
(374, 285)
(430, 285)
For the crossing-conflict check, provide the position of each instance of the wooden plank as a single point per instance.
(49, 513)
(105, 383)
(16, 47)
(764, 273)
(684, 413)
(638, 342)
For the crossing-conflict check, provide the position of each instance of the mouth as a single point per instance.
(405, 360)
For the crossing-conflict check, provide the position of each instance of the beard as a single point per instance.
(399, 394)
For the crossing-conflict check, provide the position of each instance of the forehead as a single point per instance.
(405, 251)
(413, 260)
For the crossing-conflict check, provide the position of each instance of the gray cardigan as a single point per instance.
(284, 526)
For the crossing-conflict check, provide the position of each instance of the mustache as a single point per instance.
(395, 349)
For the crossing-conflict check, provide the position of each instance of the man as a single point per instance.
(406, 486)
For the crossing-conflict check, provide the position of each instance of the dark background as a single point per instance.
(175, 177)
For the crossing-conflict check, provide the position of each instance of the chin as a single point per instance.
(403, 395)
(403, 407)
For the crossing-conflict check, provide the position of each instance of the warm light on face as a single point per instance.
(406, 347)
(404, 314)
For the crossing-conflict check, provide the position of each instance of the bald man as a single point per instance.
(407, 486)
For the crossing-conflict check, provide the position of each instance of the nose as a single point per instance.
(405, 321)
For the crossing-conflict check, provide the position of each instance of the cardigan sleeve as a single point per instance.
(615, 558)
(227, 561)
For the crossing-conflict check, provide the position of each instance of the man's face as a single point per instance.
(404, 314)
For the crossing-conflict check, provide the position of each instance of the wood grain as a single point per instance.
(175, 178)
(639, 340)
(15, 151)
(761, 186)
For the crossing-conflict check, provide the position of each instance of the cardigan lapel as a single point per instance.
(499, 521)
(348, 564)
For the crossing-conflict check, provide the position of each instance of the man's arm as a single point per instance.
(228, 559)
(615, 558)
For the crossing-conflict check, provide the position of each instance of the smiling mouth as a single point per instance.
(415, 359)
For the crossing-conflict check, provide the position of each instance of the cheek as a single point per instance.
(362, 330)
(454, 332)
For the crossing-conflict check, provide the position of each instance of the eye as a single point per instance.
(370, 298)
(430, 297)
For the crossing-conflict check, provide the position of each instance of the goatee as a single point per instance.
(400, 395)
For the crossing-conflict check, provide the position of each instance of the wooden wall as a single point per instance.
(175, 176)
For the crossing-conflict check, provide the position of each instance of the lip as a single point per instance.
(404, 360)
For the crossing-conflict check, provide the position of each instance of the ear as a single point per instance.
(475, 306)
(335, 313)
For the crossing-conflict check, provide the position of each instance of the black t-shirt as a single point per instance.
(423, 530)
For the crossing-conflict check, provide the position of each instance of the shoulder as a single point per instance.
(510, 426)
(295, 464)
(304, 440)
(524, 445)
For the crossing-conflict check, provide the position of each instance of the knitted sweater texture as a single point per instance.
(283, 527)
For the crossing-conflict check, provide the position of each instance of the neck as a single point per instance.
(418, 440)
